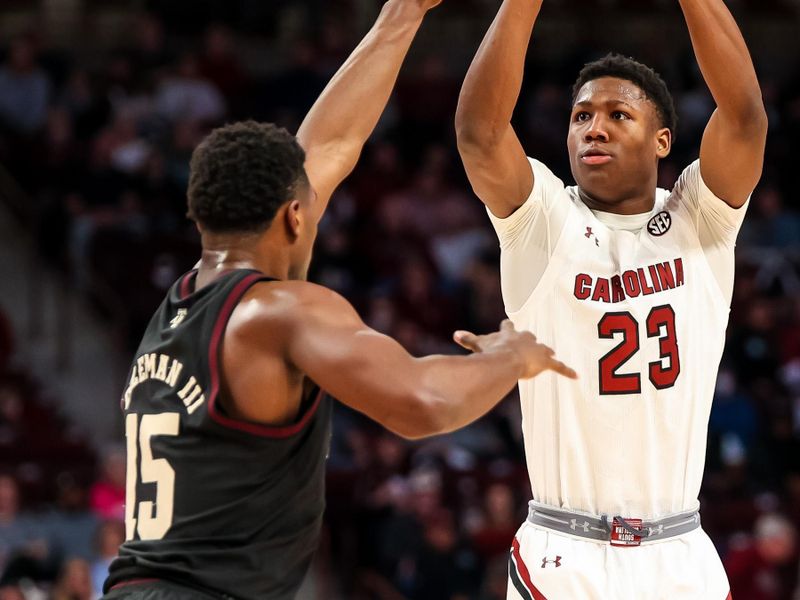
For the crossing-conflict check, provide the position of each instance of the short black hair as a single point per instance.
(241, 174)
(650, 82)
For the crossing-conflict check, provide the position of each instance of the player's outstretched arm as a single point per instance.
(732, 151)
(372, 373)
(493, 157)
(343, 117)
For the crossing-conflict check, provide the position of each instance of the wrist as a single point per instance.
(406, 12)
(515, 360)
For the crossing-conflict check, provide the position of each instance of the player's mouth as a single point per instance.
(595, 156)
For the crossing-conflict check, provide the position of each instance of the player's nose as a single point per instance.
(596, 131)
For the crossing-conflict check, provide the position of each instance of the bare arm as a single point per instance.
(414, 397)
(493, 157)
(337, 126)
(732, 151)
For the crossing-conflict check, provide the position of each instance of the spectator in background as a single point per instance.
(24, 90)
(752, 348)
(150, 53)
(500, 523)
(732, 413)
(774, 225)
(18, 534)
(74, 582)
(219, 63)
(70, 527)
(110, 535)
(107, 495)
(758, 569)
(11, 591)
(186, 94)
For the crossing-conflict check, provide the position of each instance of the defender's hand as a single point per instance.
(535, 356)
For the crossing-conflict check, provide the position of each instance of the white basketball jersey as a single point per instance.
(641, 316)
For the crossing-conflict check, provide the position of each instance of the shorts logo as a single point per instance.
(556, 562)
(660, 224)
(574, 525)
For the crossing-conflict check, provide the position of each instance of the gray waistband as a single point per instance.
(599, 528)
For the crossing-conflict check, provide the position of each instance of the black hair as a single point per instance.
(241, 174)
(650, 82)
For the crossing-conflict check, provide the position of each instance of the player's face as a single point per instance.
(614, 140)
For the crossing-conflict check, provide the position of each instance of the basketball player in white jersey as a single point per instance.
(631, 285)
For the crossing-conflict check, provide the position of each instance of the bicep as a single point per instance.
(500, 173)
(731, 159)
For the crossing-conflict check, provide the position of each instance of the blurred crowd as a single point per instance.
(99, 144)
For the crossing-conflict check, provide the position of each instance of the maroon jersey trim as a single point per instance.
(184, 290)
(213, 365)
(128, 582)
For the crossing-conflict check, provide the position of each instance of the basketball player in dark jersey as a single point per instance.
(226, 422)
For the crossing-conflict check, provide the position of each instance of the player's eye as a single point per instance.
(618, 115)
(582, 116)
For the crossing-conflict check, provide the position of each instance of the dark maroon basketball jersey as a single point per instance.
(216, 503)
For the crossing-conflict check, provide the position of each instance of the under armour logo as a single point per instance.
(574, 525)
(556, 562)
(590, 234)
(178, 318)
(656, 530)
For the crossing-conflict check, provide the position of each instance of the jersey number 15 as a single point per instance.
(661, 319)
(154, 519)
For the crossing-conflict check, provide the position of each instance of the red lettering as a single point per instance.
(631, 282)
(665, 276)
(654, 277)
(617, 293)
(646, 289)
(583, 285)
(678, 272)
(601, 291)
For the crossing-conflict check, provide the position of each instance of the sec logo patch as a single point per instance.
(660, 224)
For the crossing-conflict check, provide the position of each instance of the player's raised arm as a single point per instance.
(732, 152)
(343, 117)
(372, 373)
(493, 157)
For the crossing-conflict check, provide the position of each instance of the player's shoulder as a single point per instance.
(687, 184)
(548, 188)
(272, 304)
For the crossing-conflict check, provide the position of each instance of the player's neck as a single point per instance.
(226, 252)
(634, 205)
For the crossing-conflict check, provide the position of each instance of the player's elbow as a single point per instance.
(758, 119)
(751, 119)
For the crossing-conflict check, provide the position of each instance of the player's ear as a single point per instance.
(293, 219)
(663, 142)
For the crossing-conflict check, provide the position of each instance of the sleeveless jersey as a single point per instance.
(641, 317)
(224, 505)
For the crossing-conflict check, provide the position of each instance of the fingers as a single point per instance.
(506, 325)
(466, 340)
(562, 369)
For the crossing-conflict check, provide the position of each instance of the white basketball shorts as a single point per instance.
(548, 565)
